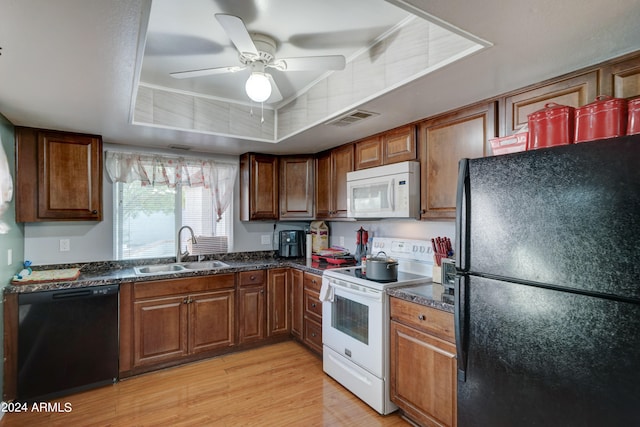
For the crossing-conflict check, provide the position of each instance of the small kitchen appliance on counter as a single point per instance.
(292, 244)
(355, 319)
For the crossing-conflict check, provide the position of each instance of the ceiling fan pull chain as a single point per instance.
(262, 113)
(251, 109)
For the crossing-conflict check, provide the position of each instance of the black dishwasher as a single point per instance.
(67, 341)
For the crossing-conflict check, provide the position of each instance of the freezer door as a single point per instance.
(565, 216)
(539, 357)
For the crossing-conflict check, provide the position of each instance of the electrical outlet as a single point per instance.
(265, 239)
(65, 245)
(342, 241)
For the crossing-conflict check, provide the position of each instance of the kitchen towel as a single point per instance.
(326, 291)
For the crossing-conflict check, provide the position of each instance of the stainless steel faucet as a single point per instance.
(180, 254)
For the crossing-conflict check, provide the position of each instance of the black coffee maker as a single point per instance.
(292, 244)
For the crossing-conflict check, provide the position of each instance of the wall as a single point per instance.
(407, 229)
(14, 240)
(93, 241)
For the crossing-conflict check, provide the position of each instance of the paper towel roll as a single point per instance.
(308, 249)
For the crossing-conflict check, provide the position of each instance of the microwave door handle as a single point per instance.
(390, 195)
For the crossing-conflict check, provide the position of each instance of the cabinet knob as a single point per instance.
(313, 334)
(185, 301)
(421, 317)
(313, 305)
(95, 212)
(423, 211)
(262, 291)
(252, 277)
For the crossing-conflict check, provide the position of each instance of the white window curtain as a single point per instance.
(158, 170)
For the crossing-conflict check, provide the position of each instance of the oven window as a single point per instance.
(351, 318)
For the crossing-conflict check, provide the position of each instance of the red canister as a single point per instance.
(553, 125)
(633, 124)
(606, 117)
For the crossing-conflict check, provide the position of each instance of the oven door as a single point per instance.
(353, 325)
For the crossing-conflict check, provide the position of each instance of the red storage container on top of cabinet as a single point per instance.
(553, 125)
(606, 117)
(633, 125)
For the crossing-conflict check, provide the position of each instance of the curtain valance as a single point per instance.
(154, 169)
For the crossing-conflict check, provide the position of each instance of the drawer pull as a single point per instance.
(313, 334)
(313, 305)
(252, 277)
(421, 317)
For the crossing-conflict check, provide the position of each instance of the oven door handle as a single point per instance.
(377, 296)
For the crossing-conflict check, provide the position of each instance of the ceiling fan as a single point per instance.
(257, 53)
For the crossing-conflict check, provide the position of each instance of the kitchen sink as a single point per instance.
(158, 269)
(204, 265)
(185, 267)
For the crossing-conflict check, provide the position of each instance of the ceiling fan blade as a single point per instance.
(311, 63)
(205, 72)
(276, 96)
(237, 32)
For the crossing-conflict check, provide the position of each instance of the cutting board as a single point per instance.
(44, 276)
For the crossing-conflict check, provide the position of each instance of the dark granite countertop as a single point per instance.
(116, 272)
(430, 295)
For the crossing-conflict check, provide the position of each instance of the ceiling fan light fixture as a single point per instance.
(258, 87)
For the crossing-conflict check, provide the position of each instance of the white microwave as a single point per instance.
(391, 191)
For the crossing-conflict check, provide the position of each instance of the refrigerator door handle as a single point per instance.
(460, 319)
(462, 216)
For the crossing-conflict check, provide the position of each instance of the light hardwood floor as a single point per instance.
(276, 385)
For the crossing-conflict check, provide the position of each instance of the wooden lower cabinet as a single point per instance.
(278, 302)
(312, 314)
(166, 322)
(297, 303)
(251, 306)
(423, 363)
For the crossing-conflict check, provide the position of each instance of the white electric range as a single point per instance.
(355, 319)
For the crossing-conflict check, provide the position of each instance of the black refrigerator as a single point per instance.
(548, 287)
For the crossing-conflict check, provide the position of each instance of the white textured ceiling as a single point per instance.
(71, 64)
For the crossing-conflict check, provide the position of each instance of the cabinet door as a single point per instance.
(575, 92)
(622, 79)
(258, 187)
(323, 185)
(296, 187)
(444, 141)
(297, 303)
(368, 153)
(251, 314)
(423, 376)
(70, 176)
(160, 330)
(211, 321)
(341, 163)
(278, 300)
(399, 145)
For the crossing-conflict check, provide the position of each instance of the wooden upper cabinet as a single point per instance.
(444, 141)
(258, 187)
(58, 176)
(621, 79)
(331, 182)
(394, 146)
(296, 187)
(575, 92)
(368, 153)
(399, 145)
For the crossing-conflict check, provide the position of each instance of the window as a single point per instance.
(155, 195)
(149, 217)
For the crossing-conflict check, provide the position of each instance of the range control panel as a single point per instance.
(404, 249)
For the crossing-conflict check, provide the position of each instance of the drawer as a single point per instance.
(312, 281)
(313, 334)
(312, 304)
(249, 278)
(430, 320)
